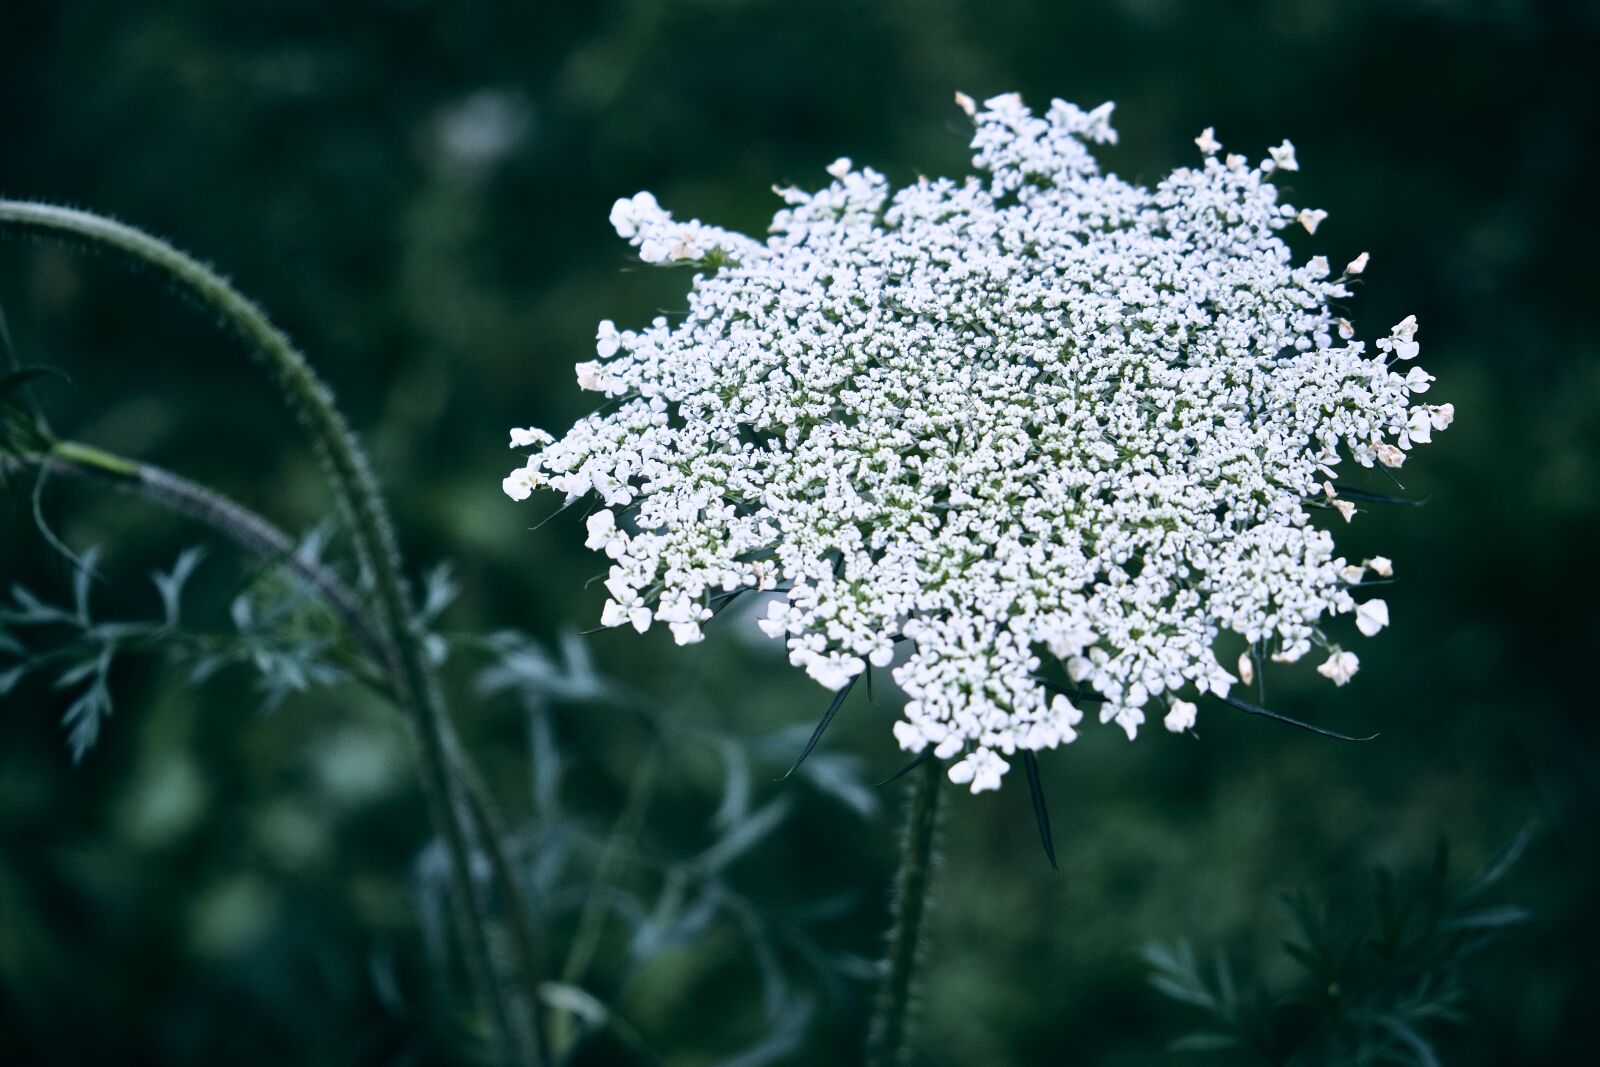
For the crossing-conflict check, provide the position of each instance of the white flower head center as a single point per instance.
(1038, 414)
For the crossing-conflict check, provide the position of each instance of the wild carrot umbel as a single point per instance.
(989, 430)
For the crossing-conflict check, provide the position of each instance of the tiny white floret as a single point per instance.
(1371, 617)
(517, 485)
(530, 438)
(1340, 667)
(602, 528)
(982, 769)
(607, 340)
(1181, 717)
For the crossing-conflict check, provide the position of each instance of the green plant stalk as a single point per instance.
(888, 1038)
(233, 520)
(351, 478)
(238, 523)
(491, 838)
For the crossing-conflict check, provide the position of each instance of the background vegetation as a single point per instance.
(418, 192)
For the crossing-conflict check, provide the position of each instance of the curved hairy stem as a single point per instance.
(888, 1040)
(352, 481)
(227, 516)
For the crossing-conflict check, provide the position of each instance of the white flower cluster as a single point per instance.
(1044, 412)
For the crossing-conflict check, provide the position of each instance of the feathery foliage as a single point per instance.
(1376, 991)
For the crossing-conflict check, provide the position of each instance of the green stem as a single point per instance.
(888, 1039)
(491, 837)
(238, 523)
(351, 478)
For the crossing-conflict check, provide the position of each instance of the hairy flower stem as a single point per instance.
(888, 1039)
(352, 481)
(238, 523)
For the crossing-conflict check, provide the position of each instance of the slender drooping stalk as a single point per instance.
(888, 1040)
(350, 476)
(243, 526)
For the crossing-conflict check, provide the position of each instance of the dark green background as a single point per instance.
(210, 885)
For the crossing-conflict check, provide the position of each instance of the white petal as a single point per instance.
(1340, 667)
(686, 633)
(909, 737)
(1418, 380)
(607, 340)
(1181, 717)
(1372, 617)
(1066, 710)
(602, 527)
(517, 486)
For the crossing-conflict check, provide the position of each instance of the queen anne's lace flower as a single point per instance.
(1042, 412)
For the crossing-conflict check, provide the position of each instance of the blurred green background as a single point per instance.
(418, 193)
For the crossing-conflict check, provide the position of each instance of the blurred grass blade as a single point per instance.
(745, 836)
(596, 1015)
(1204, 1042)
(1407, 1035)
(1502, 862)
(735, 805)
(1489, 918)
(781, 1041)
(21, 378)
